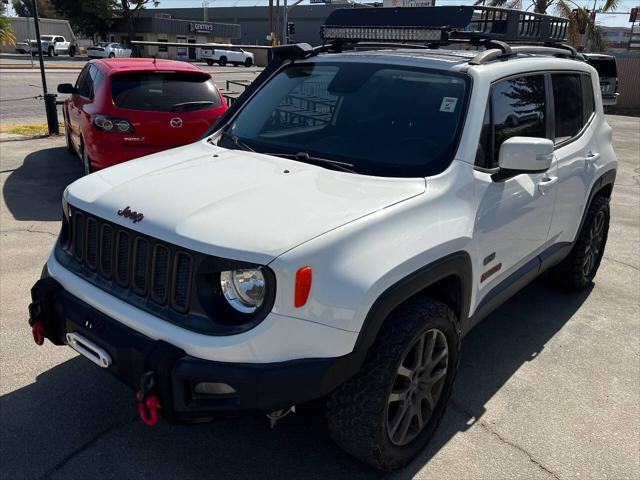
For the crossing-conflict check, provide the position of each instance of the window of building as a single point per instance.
(163, 48)
(567, 97)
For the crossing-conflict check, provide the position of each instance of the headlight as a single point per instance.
(243, 289)
(65, 203)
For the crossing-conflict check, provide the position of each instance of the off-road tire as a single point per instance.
(356, 412)
(67, 138)
(87, 168)
(570, 273)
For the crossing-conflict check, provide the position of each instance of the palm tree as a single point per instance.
(6, 31)
(578, 22)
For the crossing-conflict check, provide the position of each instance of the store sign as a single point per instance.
(408, 3)
(201, 27)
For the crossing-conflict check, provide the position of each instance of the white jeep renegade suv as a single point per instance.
(340, 230)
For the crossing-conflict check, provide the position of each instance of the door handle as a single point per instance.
(546, 184)
(593, 157)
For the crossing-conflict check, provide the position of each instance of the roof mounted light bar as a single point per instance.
(442, 25)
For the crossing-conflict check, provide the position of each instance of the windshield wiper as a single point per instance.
(305, 157)
(190, 104)
(236, 141)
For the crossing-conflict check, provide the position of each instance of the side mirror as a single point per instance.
(526, 155)
(66, 88)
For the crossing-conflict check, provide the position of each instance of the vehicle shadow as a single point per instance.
(76, 421)
(33, 191)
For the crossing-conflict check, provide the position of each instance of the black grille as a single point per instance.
(140, 264)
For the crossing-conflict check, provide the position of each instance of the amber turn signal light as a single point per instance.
(304, 277)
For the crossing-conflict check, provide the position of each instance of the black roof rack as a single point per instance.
(490, 27)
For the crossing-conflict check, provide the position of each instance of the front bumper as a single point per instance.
(256, 387)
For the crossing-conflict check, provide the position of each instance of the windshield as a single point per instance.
(384, 120)
(164, 91)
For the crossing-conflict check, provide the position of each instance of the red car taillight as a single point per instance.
(112, 124)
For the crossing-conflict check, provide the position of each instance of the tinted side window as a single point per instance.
(567, 99)
(587, 96)
(81, 81)
(96, 79)
(518, 110)
(484, 154)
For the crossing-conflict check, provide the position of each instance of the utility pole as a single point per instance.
(49, 98)
(271, 37)
(285, 30)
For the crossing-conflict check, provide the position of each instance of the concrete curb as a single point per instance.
(46, 67)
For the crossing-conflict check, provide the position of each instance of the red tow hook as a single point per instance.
(37, 330)
(148, 409)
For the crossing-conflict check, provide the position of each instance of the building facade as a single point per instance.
(162, 28)
(254, 21)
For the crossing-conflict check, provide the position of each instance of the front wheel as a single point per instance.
(248, 62)
(388, 411)
(67, 137)
(86, 161)
(112, 55)
(578, 269)
(223, 61)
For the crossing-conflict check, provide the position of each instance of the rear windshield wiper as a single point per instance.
(184, 105)
(236, 141)
(305, 157)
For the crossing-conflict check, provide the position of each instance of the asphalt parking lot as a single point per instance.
(21, 85)
(549, 386)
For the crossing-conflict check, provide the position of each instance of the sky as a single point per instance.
(603, 19)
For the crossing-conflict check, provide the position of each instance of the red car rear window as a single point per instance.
(164, 91)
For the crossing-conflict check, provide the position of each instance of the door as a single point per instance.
(576, 150)
(76, 103)
(513, 212)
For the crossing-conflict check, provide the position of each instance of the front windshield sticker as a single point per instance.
(448, 104)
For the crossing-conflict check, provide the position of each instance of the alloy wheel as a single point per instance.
(594, 244)
(417, 387)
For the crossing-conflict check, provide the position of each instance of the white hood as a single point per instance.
(235, 204)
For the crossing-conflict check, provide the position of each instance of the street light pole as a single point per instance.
(49, 98)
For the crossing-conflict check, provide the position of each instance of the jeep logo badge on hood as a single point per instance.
(127, 213)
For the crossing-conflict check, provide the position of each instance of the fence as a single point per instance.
(628, 84)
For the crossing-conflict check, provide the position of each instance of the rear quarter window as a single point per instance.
(164, 92)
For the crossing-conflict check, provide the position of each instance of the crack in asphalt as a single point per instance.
(63, 462)
(621, 262)
(460, 409)
(28, 230)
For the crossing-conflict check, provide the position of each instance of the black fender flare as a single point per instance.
(604, 180)
(457, 264)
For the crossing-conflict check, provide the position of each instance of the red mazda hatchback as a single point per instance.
(120, 109)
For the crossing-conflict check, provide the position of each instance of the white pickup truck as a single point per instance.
(51, 45)
(235, 56)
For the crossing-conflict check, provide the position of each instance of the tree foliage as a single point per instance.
(6, 30)
(88, 17)
(580, 22)
(45, 8)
